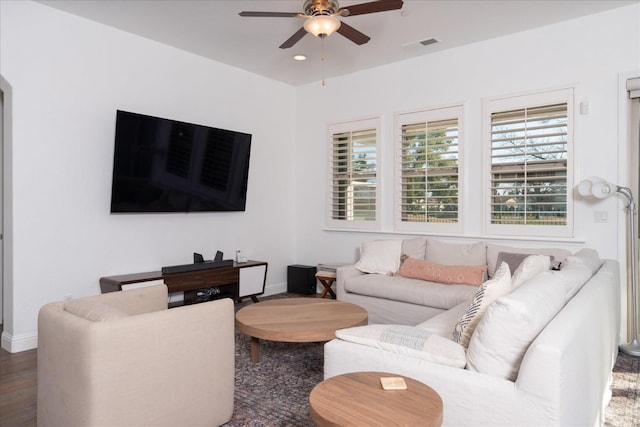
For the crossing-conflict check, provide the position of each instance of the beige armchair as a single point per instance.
(124, 359)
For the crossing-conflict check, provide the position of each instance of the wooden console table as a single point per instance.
(246, 279)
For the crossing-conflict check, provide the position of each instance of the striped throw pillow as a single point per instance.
(489, 291)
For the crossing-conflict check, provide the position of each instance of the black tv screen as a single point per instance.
(162, 165)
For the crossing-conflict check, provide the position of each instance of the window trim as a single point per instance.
(520, 101)
(374, 122)
(447, 112)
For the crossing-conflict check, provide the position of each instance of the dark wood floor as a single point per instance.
(18, 390)
(18, 386)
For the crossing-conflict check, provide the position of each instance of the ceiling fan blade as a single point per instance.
(294, 38)
(371, 7)
(352, 34)
(269, 14)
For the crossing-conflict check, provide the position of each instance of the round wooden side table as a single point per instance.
(357, 399)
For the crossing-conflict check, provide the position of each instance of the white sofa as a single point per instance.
(540, 354)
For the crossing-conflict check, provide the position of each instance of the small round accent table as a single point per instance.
(357, 399)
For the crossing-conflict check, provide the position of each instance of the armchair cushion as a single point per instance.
(93, 311)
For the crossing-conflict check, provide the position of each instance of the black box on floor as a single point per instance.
(301, 279)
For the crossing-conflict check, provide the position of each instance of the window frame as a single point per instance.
(428, 115)
(527, 101)
(374, 123)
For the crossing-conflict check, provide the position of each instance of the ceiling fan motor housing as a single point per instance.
(320, 7)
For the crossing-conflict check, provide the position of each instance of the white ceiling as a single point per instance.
(213, 29)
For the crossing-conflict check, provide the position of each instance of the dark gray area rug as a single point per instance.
(275, 391)
(624, 407)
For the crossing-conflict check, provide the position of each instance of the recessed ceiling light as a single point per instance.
(299, 57)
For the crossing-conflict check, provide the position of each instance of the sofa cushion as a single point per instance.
(574, 278)
(456, 253)
(379, 256)
(93, 311)
(413, 291)
(493, 250)
(451, 274)
(512, 322)
(490, 290)
(414, 248)
(530, 267)
(442, 324)
(407, 340)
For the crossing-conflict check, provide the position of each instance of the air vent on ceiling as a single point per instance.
(419, 44)
(427, 42)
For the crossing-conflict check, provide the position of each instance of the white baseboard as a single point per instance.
(16, 344)
(276, 288)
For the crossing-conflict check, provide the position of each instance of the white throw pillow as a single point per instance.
(587, 257)
(511, 323)
(407, 340)
(379, 256)
(530, 267)
(488, 292)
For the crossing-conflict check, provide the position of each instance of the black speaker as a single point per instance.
(301, 279)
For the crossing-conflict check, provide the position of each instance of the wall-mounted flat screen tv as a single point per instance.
(162, 165)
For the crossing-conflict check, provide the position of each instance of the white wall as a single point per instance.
(589, 52)
(68, 76)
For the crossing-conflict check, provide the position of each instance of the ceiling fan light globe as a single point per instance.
(322, 26)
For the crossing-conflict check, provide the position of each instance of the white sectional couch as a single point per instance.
(539, 353)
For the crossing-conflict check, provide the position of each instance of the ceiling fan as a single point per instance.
(321, 18)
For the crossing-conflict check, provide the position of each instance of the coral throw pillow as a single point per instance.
(451, 274)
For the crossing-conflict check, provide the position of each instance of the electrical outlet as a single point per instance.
(600, 216)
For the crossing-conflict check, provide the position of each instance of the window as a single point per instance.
(428, 158)
(530, 143)
(354, 193)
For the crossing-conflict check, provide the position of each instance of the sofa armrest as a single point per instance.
(343, 273)
(583, 337)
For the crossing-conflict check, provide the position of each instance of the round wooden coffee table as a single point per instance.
(357, 399)
(296, 320)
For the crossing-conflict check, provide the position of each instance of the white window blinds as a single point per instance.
(529, 166)
(353, 171)
(429, 158)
